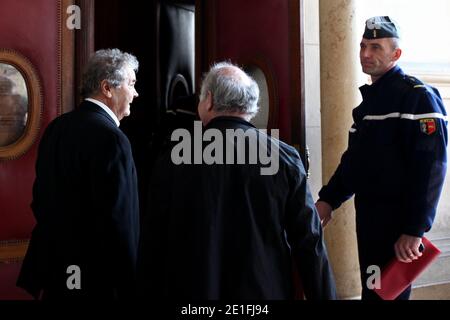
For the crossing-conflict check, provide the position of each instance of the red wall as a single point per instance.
(254, 28)
(31, 28)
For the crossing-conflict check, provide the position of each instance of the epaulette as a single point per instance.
(414, 82)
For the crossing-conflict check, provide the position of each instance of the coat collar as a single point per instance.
(367, 90)
(87, 106)
(224, 121)
(106, 109)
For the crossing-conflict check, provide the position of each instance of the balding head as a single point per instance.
(232, 90)
(234, 73)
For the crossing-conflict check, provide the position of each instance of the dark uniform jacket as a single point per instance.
(86, 207)
(224, 231)
(395, 163)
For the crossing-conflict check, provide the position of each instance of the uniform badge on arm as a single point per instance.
(428, 126)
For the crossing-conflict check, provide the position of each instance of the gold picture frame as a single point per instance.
(34, 104)
(13, 250)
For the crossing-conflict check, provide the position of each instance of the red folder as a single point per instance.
(397, 275)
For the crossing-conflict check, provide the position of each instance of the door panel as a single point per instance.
(265, 35)
(36, 29)
(175, 51)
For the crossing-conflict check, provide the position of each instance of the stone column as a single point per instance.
(339, 63)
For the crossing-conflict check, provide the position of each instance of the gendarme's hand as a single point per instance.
(407, 248)
(324, 210)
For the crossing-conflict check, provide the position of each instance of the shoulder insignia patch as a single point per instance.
(414, 82)
(428, 126)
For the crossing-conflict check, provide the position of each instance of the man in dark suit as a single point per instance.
(85, 200)
(227, 229)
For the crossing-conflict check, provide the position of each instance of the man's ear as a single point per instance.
(209, 101)
(105, 88)
(397, 54)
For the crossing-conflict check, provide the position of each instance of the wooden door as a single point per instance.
(37, 45)
(265, 37)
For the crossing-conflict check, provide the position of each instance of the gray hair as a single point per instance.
(109, 65)
(231, 91)
(395, 43)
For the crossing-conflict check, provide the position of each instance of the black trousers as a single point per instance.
(378, 227)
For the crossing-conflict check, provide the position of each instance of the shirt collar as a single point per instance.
(107, 110)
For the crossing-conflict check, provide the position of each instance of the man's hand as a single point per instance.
(407, 248)
(324, 210)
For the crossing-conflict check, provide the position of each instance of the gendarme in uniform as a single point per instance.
(395, 163)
